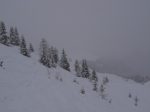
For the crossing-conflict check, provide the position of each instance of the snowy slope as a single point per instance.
(28, 86)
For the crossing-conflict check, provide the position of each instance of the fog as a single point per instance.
(92, 29)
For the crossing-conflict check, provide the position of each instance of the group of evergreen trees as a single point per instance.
(84, 72)
(4, 39)
(49, 56)
(64, 61)
(13, 38)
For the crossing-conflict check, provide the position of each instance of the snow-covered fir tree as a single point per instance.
(64, 61)
(56, 57)
(85, 70)
(51, 57)
(52, 62)
(77, 68)
(94, 79)
(31, 49)
(23, 47)
(102, 91)
(12, 36)
(93, 76)
(4, 39)
(17, 39)
(44, 59)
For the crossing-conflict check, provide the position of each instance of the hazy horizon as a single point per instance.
(92, 29)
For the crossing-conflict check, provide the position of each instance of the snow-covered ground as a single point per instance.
(28, 86)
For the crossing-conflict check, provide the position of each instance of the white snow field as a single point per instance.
(28, 86)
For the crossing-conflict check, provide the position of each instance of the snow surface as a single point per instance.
(28, 86)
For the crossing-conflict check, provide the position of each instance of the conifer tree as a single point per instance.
(23, 48)
(44, 59)
(64, 61)
(56, 57)
(94, 78)
(31, 49)
(12, 36)
(77, 69)
(102, 92)
(52, 62)
(51, 57)
(85, 70)
(4, 39)
(17, 39)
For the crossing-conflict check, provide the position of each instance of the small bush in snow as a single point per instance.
(60, 79)
(1, 63)
(75, 81)
(110, 101)
(82, 91)
(136, 101)
(130, 96)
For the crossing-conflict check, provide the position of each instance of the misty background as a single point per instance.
(108, 32)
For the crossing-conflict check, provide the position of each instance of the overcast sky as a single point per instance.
(115, 29)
